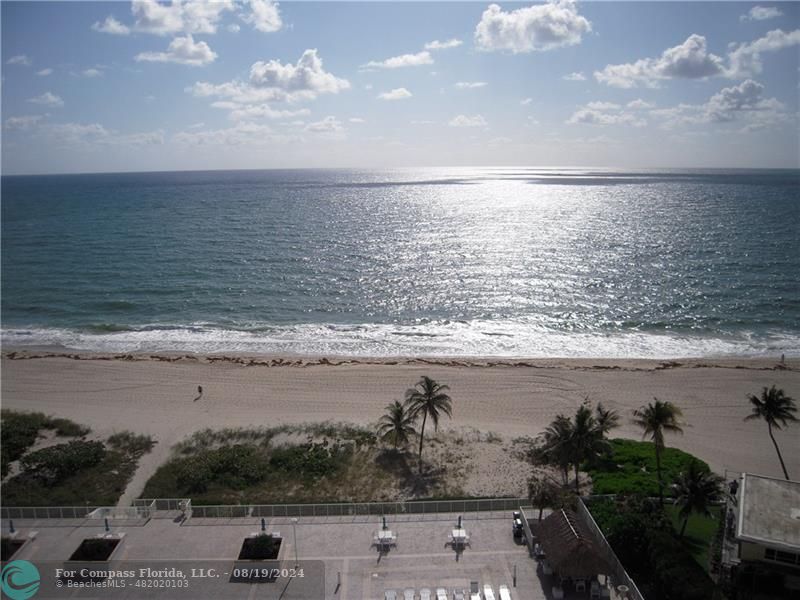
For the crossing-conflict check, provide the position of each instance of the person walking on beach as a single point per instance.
(199, 393)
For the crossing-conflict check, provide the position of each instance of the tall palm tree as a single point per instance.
(696, 490)
(556, 448)
(774, 407)
(430, 399)
(397, 424)
(656, 419)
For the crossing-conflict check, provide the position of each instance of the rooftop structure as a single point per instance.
(769, 512)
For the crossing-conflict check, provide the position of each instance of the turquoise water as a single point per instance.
(500, 262)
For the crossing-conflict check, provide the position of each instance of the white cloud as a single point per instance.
(190, 16)
(467, 121)
(395, 94)
(747, 96)
(437, 45)
(305, 79)
(241, 134)
(329, 125)
(689, 60)
(233, 28)
(237, 91)
(97, 135)
(23, 122)
(112, 26)
(405, 60)
(248, 112)
(604, 113)
(264, 16)
(639, 104)
(45, 72)
(19, 59)
(534, 28)
(744, 102)
(603, 106)
(761, 13)
(92, 73)
(469, 85)
(47, 99)
(183, 51)
(423, 122)
(574, 77)
(745, 59)
(526, 101)
(356, 120)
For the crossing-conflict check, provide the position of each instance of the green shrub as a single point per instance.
(311, 460)
(644, 540)
(56, 463)
(132, 444)
(631, 468)
(21, 429)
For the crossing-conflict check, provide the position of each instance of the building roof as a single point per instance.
(568, 546)
(769, 512)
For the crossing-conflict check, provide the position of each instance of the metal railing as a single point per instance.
(162, 507)
(46, 512)
(620, 575)
(411, 507)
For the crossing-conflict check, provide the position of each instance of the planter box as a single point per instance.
(92, 559)
(253, 566)
(11, 546)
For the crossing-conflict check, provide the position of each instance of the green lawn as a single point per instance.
(699, 535)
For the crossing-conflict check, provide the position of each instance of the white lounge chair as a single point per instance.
(389, 595)
(487, 592)
(475, 596)
(424, 594)
(441, 594)
(505, 593)
(408, 594)
(558, 592)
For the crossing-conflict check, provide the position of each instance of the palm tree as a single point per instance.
(572, 442)
(430, 399)
(607, 419)
(397, 424)
(656, 419)
(588, 436)
(696, 490)
(774, 407)
(556, 447)
(543, 493)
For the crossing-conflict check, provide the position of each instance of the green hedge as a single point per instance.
(631, 468)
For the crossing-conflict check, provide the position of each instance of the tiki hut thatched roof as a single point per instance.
(569, 548)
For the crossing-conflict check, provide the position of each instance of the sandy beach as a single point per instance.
(156, 395)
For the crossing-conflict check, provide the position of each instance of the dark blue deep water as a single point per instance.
(468, 261)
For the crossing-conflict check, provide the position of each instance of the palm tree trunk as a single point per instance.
(577, 482)
(421, 438)
(683, 527)
(780, 458)
(658, 471)
(541, 510)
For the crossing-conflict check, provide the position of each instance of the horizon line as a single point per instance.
(388, 168)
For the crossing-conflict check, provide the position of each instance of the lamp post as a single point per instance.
(294, 535)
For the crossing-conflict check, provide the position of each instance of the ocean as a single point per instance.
(502, 262)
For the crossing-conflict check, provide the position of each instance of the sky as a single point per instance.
(148, 86)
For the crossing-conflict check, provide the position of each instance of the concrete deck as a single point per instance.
(342, 546)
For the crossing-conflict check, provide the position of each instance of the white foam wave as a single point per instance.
(445, 339)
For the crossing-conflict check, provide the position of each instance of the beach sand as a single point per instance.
(156, 395)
